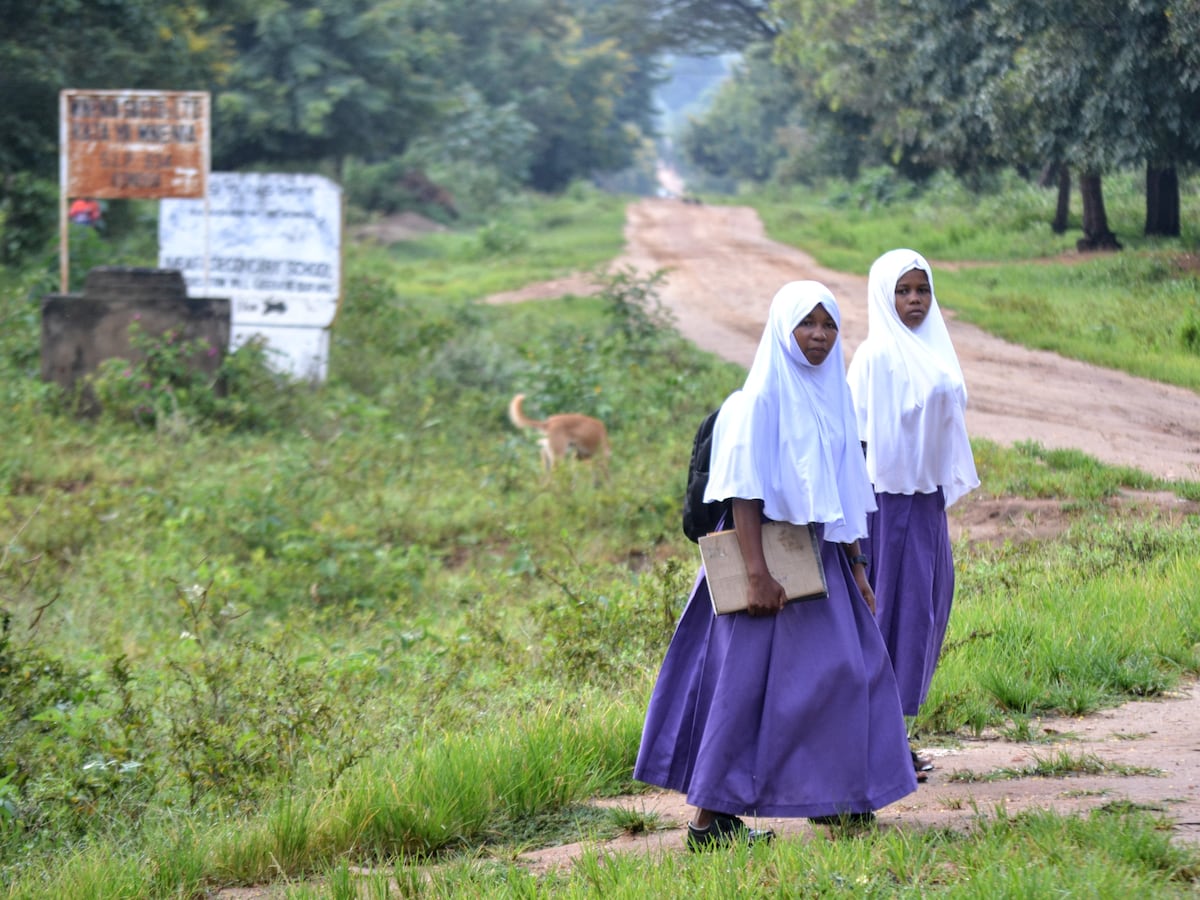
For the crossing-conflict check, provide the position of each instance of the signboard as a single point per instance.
(272, 244)
(134, 144)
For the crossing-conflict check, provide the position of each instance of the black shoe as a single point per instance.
(854, 820)
(724, 830)
(920, 763)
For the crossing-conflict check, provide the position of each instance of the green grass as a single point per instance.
(1060, 765)
(546, 238)
(371, 634)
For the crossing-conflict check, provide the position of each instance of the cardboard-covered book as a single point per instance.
(793, 559)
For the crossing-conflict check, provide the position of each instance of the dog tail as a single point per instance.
(518, 418)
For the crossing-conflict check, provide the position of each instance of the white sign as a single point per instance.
(271, 243)
(301, 352)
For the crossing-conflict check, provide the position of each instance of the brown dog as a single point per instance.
(564, 434)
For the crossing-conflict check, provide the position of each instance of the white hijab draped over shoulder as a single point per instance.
(909, 392)
(788, 437)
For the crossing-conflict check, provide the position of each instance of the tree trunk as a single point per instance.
(1059, 175)
(1162, 200)
(1096, 235)
(1062, 211)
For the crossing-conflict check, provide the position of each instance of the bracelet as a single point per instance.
(860, 558)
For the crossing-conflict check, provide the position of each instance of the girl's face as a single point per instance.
(914, 296)
(816, 334)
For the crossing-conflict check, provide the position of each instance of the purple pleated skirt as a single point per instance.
(791, 715)
(912, 574)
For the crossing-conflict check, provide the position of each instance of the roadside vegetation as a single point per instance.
(312, 632)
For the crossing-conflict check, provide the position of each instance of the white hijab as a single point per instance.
(909, 393)
(788, 436)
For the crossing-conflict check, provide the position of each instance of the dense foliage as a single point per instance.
(939, 85)
(471, 100)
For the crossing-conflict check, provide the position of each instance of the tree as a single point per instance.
(578, 131)
(738, 137)
(1089, 85)
(325, 80)
(917, 82)
(46, 47)
(1095, 86)
(1173, 47)
(692, 27)
(49, 46)
(585, 95)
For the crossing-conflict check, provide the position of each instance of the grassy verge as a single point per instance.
(362, 630)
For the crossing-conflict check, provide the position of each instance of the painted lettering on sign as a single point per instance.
(274, 246)
(135, 144)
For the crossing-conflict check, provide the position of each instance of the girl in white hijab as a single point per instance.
(786, 709)
(910, 400)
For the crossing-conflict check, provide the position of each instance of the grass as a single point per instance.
(1059, 765)
(369, 636)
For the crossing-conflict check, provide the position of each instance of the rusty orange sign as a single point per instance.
(134, 144)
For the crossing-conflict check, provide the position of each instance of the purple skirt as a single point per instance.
(912, 574)
(791, 715)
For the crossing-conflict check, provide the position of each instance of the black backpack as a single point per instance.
(700, 518)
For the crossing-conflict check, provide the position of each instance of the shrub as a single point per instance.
(1189, 332)
(168, 388)
(28, 207)
(73, 753)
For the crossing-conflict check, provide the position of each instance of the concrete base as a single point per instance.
(80, 331)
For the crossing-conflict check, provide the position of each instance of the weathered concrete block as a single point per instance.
(79, 331)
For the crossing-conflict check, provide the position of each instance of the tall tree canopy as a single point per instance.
(742, 135)
(324, 80)
(970, 84)
(584, 96)
(52, 45)
(694, 27)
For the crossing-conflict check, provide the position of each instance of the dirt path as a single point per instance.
(1146, 753)
(722, 273)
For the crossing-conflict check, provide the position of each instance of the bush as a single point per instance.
(28, 209)
(603, 638)
(169, 388)
(1189, 332)
(73, 747)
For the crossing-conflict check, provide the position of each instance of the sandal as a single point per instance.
(724, 830)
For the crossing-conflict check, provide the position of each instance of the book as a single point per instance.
(793, 559)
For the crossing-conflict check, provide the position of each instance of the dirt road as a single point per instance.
(723, 272)
(1143, 754)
